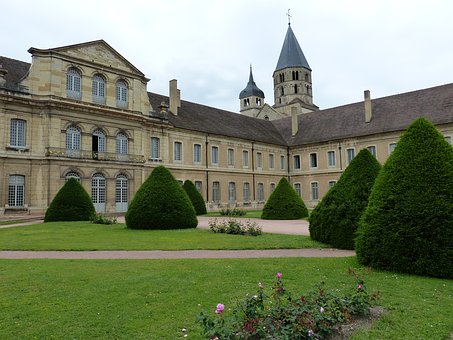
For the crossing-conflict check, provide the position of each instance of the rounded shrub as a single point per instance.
(284, 204)
(408, 223)
(335, 219)
(161, 203)
(71, 203)
(195, 197)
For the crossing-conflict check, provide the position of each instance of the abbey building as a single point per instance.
(84, 111)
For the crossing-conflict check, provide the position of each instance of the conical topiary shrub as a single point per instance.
(161, 203)
(408, 223)
(195, 197)
(335, 219)
(284, 203)
(71, 203)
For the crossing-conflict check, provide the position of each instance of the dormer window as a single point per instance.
(98, 89)
(121, 94)
(74, 83)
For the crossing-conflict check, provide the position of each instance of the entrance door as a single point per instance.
(121, 193)
(98, 192)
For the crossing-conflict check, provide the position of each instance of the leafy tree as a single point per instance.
(335, 219)
(408, 223)
(161, 203)
(284, 203)
(195, 197)
(71, 203)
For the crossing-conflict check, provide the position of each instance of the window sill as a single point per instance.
(18, 148)
(156, 160)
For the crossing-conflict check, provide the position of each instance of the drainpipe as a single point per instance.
(207, 169)
(287, 164)
(341, 162)
(253, 172)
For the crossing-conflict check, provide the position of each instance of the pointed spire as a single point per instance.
(251, 89)
(291, 54)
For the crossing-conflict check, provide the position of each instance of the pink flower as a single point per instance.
(219, 309)
(359, 286)
(278, 275)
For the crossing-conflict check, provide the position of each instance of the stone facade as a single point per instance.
(84, 111)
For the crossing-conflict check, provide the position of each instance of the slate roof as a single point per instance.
(392, 113)
(251, 89)
(206, 119)
(291, 54)
(16, 70)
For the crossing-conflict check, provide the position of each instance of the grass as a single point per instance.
(155, 299)
(248, 214)
(10, 222)
(88, 236)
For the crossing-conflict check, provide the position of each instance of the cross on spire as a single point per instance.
(289, 16)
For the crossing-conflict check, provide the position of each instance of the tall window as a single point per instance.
(351, 154)
(230, 156)
(298, 189)
(177, 151)
(246, 192)
(98, 192)
(72, 141)
(313, 160)
(98, 89)
(330, 158)
(314, 190)
(215, 155)
(198, 186)
(392, 147)
(332, 183)
(216, 192)
(197, 153)
(16, 186)
(72, 174)
(271, 161)
(372, 150)
(245, 159)
(155, 148)
(260, 192)
(121, 193)
(259, 160)
(121, 94)
(98, 142)
(282, 162)
(297, 162)
(17, 133)
(74, 83)
(232, 192)
(272, 188)
(121, 144)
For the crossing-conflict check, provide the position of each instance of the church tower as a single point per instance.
(251, 98)
(292, 78)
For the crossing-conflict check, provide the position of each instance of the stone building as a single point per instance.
(84, 111)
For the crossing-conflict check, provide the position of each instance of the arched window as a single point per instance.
(121, 94)
(98, 192)
(98, 141)
(74, 83)
(282, 91)
(121, 193)
(98, 89)
(121, 146)
(72, 141)
(72, 174)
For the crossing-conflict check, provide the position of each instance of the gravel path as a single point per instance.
(294, 227)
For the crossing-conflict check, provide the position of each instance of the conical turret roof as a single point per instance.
(291, 54)
(251, 89)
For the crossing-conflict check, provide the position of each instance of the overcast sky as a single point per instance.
(386, 46)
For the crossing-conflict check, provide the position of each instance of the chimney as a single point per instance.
(368, 113)
(294, 121)
(3, 73)
(175, 97)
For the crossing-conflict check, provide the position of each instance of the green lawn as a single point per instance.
(88, 236)
(249, 214)
(155, 299)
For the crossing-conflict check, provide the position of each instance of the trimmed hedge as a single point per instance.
(195, 197)
(284, 204)
(71, 203)
(161, 203)
(408, 223)
(335, 219)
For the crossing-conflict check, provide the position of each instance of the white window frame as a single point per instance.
(271, 161)
(231, 192)
(16, 190)
(121, 93)
(245, 158)
(230, 157)
(98, 89)
(72, 174)
(100, 135)
(73, 138)
(122, 144)
(18, 133)
(260, 193)
(298, 189)
(215, 155)
(299, 167)
(177, 151)
(197, 153)
(282, 162)
(313, 160)
(392, 147)
(259, 160)
(374, 148)
(216, 191)
(246, 192)
(155, 148)
(348, 158)
(314, 191)
(74, 83)
(331, 160)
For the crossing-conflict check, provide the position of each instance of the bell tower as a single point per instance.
(292, 78)
(251, 98)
